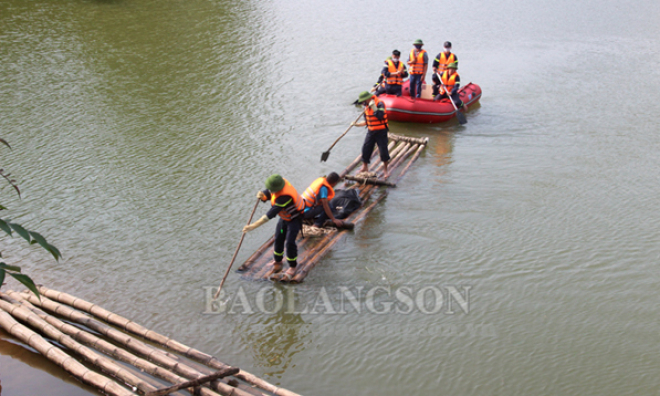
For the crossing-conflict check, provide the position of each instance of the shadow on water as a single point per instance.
(43, 376)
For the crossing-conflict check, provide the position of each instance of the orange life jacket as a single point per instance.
(394, 80)
(417, 63)
(444, 60)
(449, 82)
(311, 195)
(373, 123)
(298, 203)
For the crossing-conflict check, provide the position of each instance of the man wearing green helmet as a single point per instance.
(418, 61)
(289, 205)
(452, 83)
(375, 115)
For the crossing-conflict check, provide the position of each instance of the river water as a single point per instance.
(141, 131)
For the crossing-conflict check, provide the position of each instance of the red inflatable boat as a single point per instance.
(425, 110)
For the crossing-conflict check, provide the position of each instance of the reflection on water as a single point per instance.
(275, 339)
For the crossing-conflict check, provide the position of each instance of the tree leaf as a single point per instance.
(42, 241)
(5, 227)
(25, 280)
(2, 207)
(10, 267)
(21, 231)
(55, 252)
(3, 141)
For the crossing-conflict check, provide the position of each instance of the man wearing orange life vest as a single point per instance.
(316, 198)
(394, 72)
(418, 61)
(443, 59)
(289, 205)
(376, 122)
(452, 82)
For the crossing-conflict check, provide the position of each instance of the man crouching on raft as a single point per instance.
(316, 199)
(289, 205)
(376, 122)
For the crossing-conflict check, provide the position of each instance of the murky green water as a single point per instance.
(142, 129)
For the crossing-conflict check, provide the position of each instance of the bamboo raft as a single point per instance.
(117, 356)
(311, 249)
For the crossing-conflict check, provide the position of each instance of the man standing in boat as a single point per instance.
(394, 72)
(418, 61)
(289, 205)
(376, 122)
(452, 83)
(443, 59)
(317, 198)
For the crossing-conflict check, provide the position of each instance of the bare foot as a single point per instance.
(289, 274)
(277, 268)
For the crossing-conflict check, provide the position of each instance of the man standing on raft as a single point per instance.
(376, 122)
(289, 205)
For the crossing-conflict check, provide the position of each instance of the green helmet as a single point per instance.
(275, 183)
(453, 65)
(418, 42)
(364, 96)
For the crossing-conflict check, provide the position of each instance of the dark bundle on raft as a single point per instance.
(311, 250)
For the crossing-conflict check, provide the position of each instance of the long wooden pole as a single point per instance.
(54, 354)
(152, 336)
(326, 154)
(217, 293)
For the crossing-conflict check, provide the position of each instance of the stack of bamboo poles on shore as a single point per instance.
(311, 250)
(117, 356)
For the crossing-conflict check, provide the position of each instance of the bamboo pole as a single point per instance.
(405, 155)
(152, 336)
(413, 159)
(257, 254)
(137, 346)
(350, 167)
(399, 138)
(373, 181)
(100, 344)
(207, 370)
(194, 383)
(98, 361)
(357, 160)
(66, 362)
